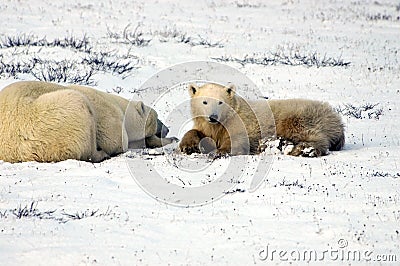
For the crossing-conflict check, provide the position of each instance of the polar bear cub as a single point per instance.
(227, 123)
(46, 122)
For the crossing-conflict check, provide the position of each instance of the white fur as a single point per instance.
(46, 122)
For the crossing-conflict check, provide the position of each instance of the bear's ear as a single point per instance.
(230, 89)
(192, 89)
(140, 107)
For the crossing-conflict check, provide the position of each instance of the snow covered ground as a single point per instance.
(341, 208)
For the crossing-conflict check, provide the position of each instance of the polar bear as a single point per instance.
(226, 123)
(47, 122)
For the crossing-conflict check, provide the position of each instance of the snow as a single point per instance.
(76, 212)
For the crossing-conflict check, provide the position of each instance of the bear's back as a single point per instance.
(27, 90)
(43, 122)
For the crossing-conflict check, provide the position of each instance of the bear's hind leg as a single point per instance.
(97, 154)
(314, 145)
(66, 127)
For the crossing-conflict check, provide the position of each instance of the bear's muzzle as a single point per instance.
(213, 119)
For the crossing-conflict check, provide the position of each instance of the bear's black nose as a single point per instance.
(213, 118)
(162, 130)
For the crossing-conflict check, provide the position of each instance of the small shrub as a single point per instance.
(287, 56)
(12, 69)
(103, 62)
(80, 44)
(364, 111)
(88, 213)
(383, 17)
(205, 42)
(62, 71)
(81, 215)
(173, 34)
(135, 37)
(31, 211)
(246, 4)
(285, 183)
(18, 40)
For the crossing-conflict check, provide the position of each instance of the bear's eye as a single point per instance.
(204, 102)
(219, 103)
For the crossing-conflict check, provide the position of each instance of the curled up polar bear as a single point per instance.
(226, 123)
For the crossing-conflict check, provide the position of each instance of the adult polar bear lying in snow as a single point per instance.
(46, 122)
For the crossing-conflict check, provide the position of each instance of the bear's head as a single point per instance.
(212, 102)
(142, 121)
